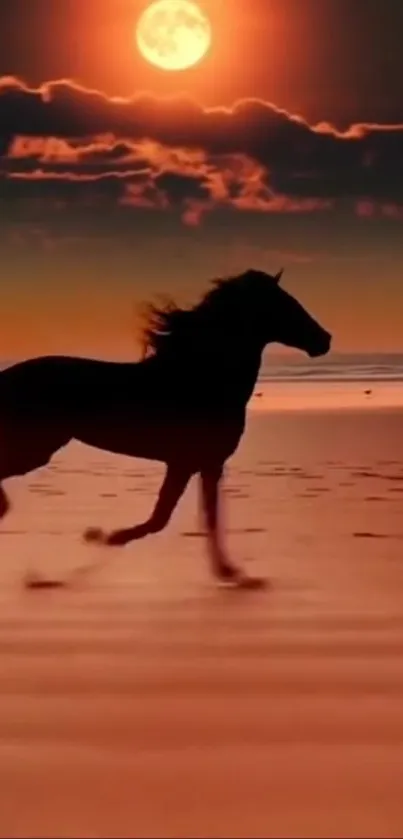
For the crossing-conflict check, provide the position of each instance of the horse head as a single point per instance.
(277, 317)
(249, 309)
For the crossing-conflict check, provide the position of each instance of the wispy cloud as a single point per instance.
(62, 143)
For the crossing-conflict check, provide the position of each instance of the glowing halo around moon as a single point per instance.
(173, 34)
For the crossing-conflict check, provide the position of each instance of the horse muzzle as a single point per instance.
(321, 346)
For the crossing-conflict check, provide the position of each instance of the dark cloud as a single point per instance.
(62, 142)
(180, 188)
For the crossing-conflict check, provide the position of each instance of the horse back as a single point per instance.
(143, 409)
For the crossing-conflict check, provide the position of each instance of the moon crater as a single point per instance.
(173, 34)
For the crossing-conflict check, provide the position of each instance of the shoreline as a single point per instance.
(327, 396)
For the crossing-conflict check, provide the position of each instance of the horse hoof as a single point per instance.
(116, 539)
(242, 581)
(94, 534)
(251, 583)
(97, 536)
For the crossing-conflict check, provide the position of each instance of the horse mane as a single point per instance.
(169, 327)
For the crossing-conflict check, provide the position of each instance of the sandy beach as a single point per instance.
(201, 210)
(141, 700)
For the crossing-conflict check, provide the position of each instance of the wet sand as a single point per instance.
(140, 700)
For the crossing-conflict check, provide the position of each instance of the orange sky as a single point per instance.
(287, 152)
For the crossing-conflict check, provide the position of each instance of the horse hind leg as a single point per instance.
(20, 458)
(5, 472)
(174, 485)
(4, 502)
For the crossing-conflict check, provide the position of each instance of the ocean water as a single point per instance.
(337, 381)
(335, 367)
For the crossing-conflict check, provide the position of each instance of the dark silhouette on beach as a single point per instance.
(184, 404)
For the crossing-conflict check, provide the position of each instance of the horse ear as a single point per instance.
(278, 276)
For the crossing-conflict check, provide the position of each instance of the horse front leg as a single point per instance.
(210, 498)
(174, 485)
(222, 567)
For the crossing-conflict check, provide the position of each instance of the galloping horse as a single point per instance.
(184, 404)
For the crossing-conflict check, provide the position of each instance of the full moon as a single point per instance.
(173, 34)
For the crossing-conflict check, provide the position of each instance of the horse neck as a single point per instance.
(224, 369)
(245, 374)
(232, 372)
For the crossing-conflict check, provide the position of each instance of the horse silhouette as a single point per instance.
(183, 404)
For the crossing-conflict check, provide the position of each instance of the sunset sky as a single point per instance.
(282, 147)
